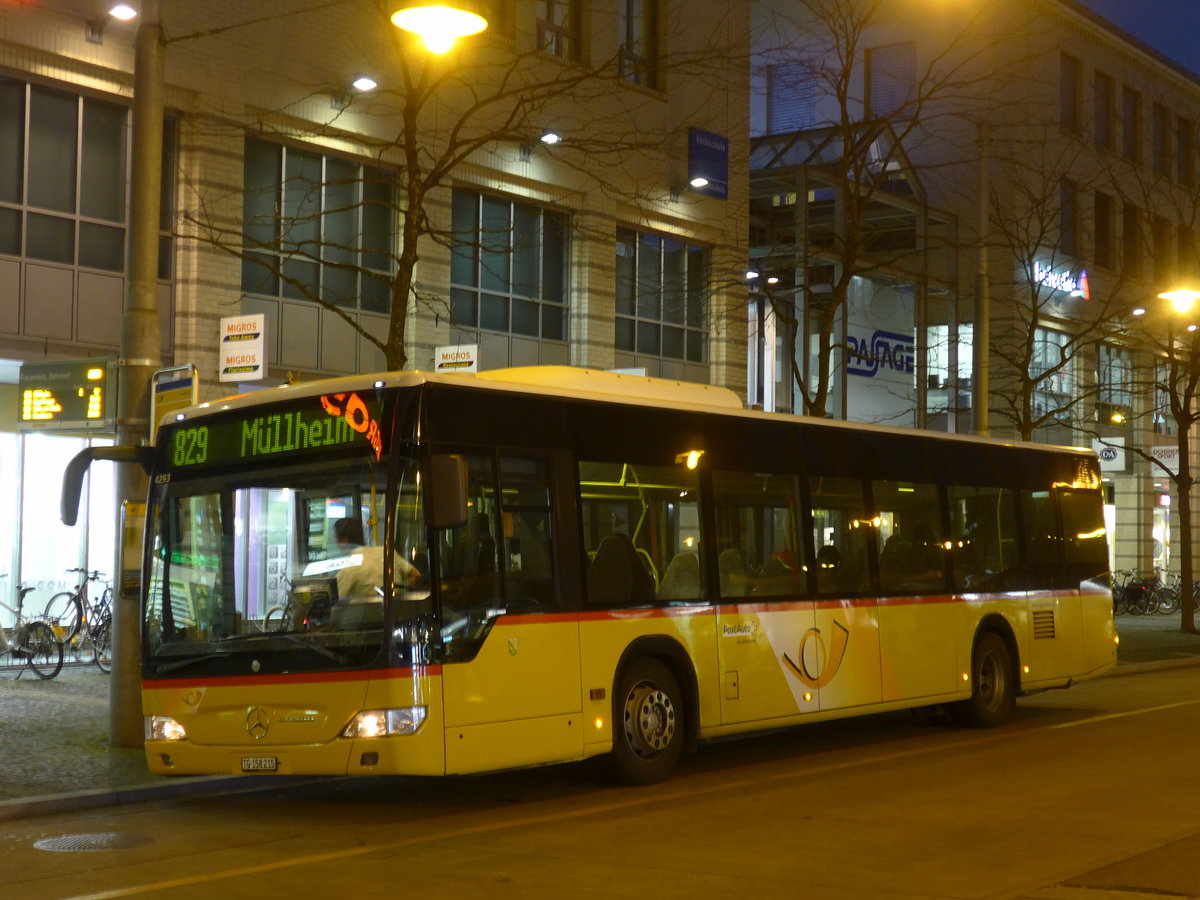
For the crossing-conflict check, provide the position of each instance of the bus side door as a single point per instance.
(510, 681)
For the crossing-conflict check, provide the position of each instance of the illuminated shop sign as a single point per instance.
(1064, 282)
(315, 425)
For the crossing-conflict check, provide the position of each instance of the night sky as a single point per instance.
(1171, 27)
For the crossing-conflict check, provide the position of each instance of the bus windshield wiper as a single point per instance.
(291, 638)
(178, 664)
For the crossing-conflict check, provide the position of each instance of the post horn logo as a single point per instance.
(831, 660)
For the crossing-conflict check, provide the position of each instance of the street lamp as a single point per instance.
(1181, 298)
(439, 25)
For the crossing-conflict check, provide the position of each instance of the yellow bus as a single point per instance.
(421, 574)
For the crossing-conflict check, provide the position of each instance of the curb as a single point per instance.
(49, 804)
(1156, 665)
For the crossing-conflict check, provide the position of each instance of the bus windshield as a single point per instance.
(282, 569)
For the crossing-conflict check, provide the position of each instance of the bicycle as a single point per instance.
(73, 612)
(33, 640)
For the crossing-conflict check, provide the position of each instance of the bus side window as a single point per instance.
(641, 533)
(467, 554)
(759, 553)
(912, 552)
(983, 538)
(1084, 538)
(844, 533)
(527, 548)
(1043, 544)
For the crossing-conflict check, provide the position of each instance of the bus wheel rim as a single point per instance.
(649, 720)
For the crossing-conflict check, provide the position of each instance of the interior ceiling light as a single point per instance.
(551, 137)
(364, 83)
(439, 25)
(122, 11)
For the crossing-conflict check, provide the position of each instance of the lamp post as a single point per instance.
(1183, 379)
(139, 358)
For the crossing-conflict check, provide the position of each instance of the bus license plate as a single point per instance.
(259, 763)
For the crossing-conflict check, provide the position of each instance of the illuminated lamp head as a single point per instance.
(438, 25)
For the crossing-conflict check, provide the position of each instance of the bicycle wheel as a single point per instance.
(102, 646)
(43, 653)
(1168, 600)
(64, 612)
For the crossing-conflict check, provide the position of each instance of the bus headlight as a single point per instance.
(164, 728)
(382, 722)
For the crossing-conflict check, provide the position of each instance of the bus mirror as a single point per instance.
(78, 466)
(446, 499)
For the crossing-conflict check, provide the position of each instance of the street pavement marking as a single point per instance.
(643, 798)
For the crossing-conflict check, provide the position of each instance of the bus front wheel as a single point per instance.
(993, 685)
(648, 726)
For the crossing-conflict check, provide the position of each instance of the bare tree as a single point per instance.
(439, 115)
(860, 209)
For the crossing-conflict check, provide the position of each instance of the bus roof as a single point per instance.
(574, 382)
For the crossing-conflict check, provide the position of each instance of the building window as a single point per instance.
(1068, 226)
(1131, 240)
(662, 296)
(791, 98)
(1131, 124)
(508, 267)
(316, 227)
(1051, 369)
(1103, 111)
(1185, 251)
(1160, 126)
(891, 75)
(639, 42)
(1114, 378)
(1069, 92)
(1104, 229)
(1184, 164)
(558, 27)
(62, 177)
(1163, 250)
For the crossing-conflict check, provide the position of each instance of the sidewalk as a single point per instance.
(55, 752)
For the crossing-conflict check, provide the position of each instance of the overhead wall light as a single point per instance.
(439, 25)
(93, 29)
(550, 137)
(364, 83)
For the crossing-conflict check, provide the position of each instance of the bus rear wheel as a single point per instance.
(648, 726)
(993, 685)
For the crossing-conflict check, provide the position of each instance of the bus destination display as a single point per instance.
(326, 422)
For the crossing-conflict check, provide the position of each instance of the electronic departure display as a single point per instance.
(71, 395)
(327, 422)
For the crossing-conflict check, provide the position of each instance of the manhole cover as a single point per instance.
(82, 843)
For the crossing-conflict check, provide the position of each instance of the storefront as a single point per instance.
(35, 547)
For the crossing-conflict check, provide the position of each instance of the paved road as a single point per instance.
(1048, 807)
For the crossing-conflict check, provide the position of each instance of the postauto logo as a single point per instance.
(882, 350)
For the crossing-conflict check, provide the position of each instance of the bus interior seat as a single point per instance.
(731, 568)
(617, 577)
(681, 580)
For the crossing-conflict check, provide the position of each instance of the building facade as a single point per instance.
(1054, 158)
(369, 227)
